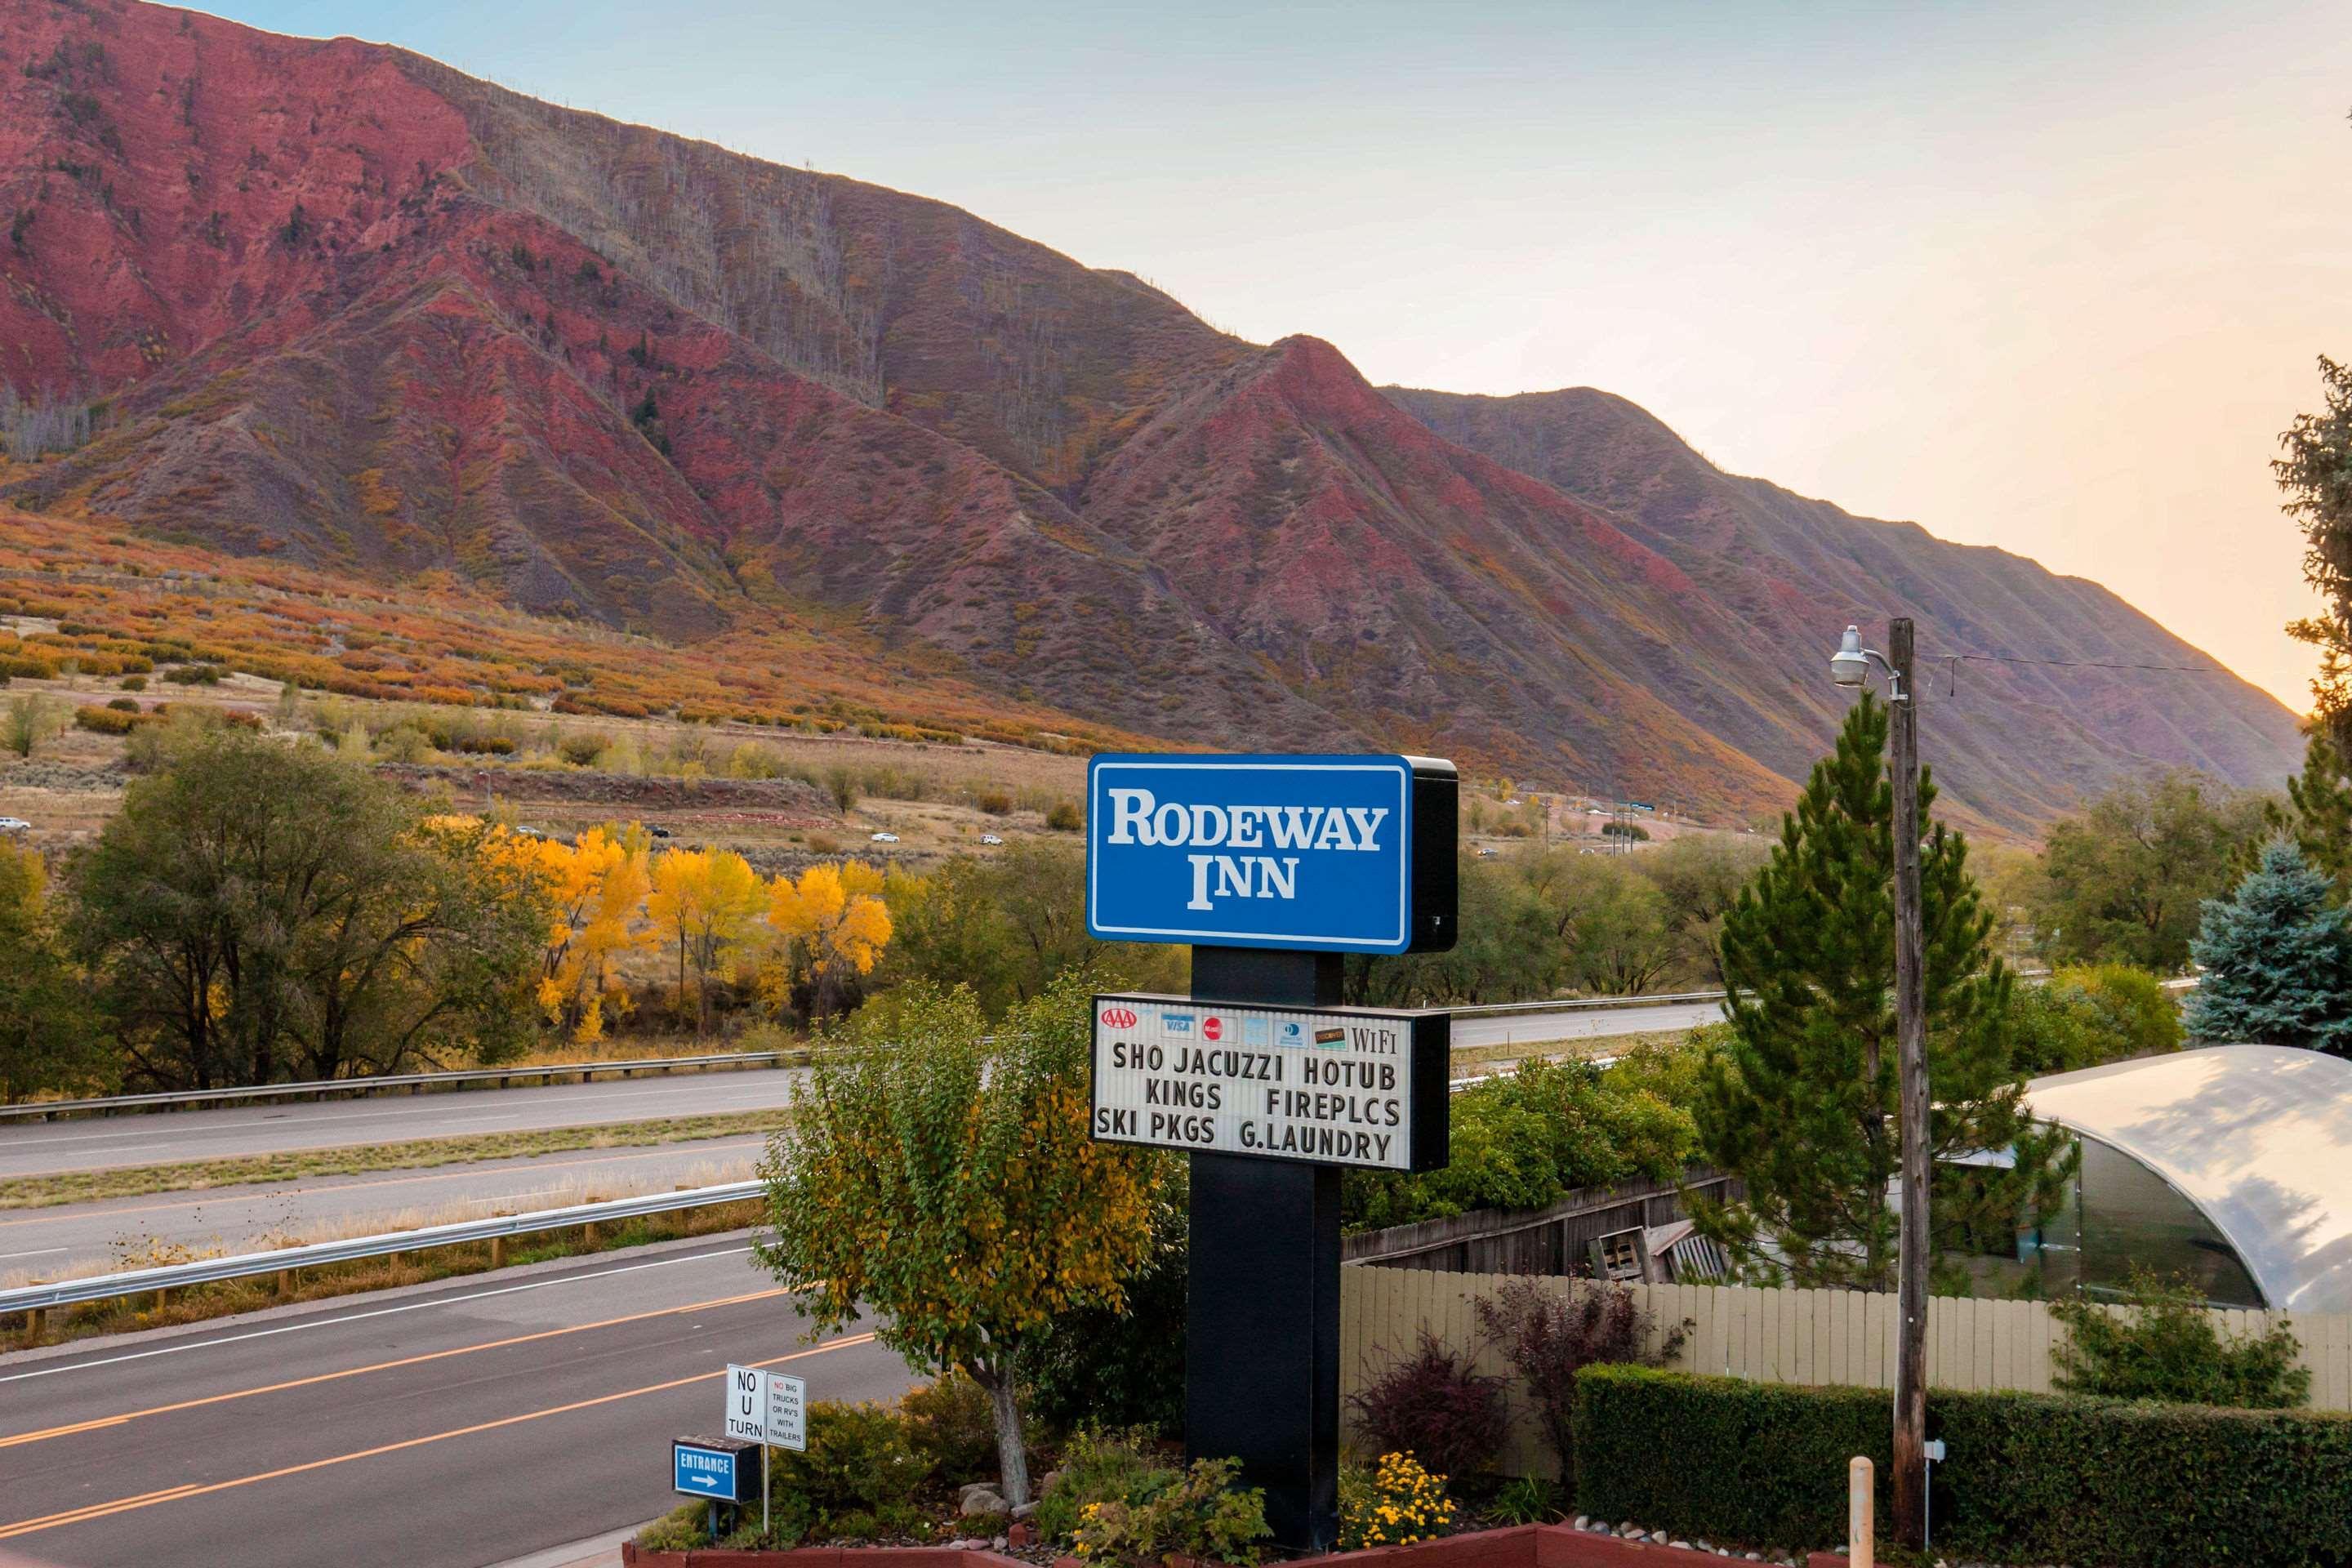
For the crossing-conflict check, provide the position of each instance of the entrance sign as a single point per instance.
(767, 1407)
(1347, 854)
(1340, 1086)
(723, 1470)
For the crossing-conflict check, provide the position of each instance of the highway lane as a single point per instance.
(29, 1149)
(460, 1425)
(81, 1238)
(98, 1144)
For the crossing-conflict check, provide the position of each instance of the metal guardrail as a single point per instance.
(1583, 1004)
(416, 1082)
(250, 1265)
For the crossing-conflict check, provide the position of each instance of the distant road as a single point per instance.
(462, 1425)
(81, 1238)
(95, 1143)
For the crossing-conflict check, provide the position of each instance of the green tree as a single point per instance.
(1007, 925)
(939, 1174)
(2277, 954)
(30, 722)
(2315, 473)
(1700, 875)
(259, 911)
(2165, 1346)
(49, 1039)
(2123, 881)
(1800, 1098)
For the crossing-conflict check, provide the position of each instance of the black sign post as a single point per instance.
(1262, 1319)
(1296, 862)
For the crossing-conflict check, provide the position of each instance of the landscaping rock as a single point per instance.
(1583, 1520)
(1025, 1510)
(963, 1492)
(976, 1504)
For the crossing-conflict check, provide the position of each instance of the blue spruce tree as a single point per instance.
(2278, 960)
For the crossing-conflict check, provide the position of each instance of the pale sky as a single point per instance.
(2050, 281)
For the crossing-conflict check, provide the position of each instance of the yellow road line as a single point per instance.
(180, 1493)
(98, 1423)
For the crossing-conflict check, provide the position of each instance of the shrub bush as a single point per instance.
(1098, 1466)
(1195, 1512)
(1431, 1405)
(2031, 1478)
(124, 704)
(996, 803)
(953, 1427)
(860, 1471)
(1062, 816)
(1097, 1368)
(1527, 1139)
(134, 683)
(107, 721)
(1549, 1335)
(2167, 1348)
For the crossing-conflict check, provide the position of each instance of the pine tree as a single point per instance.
(2318, 813)
(2277, 954)
(1800, 1101)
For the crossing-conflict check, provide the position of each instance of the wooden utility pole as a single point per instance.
(1910, 1478)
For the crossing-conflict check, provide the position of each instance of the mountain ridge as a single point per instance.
(351, 308)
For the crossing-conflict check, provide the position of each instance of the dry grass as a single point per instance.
(228, 1297)
(131, 1181)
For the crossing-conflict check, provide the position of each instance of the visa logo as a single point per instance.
(1176, 1023)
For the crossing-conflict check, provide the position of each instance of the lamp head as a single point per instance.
(1850, 666)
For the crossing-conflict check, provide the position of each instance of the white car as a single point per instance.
(14, 824)
(990, 839)
(886, 838)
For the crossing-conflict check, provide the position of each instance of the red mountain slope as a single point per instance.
(348, 307)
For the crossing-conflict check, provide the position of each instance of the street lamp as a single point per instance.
(1851, 666)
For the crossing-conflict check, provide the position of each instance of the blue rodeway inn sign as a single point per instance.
(1325, 854)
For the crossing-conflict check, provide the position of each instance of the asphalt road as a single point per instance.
(91, 1143)
(82, 1238)
(460, 1425)
(98, 1144)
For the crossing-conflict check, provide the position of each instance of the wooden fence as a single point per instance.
(1533, 1241)
(1774, 1336)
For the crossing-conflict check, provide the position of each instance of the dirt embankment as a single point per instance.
(783, 802)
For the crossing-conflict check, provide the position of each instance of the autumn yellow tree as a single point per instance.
(598, 890)
(705, 902)
(830, 926)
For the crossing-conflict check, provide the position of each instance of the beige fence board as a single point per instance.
(1776, 1335)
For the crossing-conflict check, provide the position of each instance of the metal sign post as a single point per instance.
(767, 1408)
(1274, 868)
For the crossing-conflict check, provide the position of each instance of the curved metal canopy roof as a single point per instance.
(2259, 1138)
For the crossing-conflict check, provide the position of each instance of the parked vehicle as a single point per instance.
(886, 838)
(991, 838)
(14, 826)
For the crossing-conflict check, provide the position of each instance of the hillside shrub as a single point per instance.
(952, 1426)
(105, 720)
(2031, 1478)
(134, 683)
(124, 705)
(1062, 816)
(2166, 1347)
(1430, 1404)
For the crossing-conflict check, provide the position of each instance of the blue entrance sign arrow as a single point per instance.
(708, 1470)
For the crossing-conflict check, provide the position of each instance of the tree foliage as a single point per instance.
(2317, 812)
(259, 911)
(831, 925)
(2123, 881)
(1799, 1101)
(939, 1174)
(2277, 954)
(2315, 473)
(47, 1036)
(705, 903)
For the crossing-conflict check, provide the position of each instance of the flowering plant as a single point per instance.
(1397, 1504)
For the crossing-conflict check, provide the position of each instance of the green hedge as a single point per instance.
(2031, 1477)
